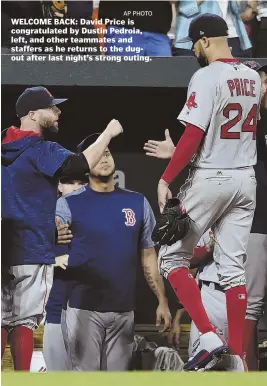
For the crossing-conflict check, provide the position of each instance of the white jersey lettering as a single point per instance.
(223, 100)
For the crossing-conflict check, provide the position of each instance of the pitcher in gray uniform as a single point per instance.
(212, 294)
(220, 115)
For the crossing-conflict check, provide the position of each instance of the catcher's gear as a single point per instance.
(172, 225)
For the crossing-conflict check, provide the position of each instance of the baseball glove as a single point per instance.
(172, 225)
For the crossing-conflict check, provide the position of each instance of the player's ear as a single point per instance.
(60, 187)
(32, 115)
(205, 42)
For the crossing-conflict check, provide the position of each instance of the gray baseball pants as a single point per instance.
(98, 340)
(24, 296)
(54, 350)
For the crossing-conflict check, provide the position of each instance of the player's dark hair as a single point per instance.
(83, 179)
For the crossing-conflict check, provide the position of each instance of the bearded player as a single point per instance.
(220, 117)
(31, 167)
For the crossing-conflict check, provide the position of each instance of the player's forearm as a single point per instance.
(94, 152)
(174, 13)
(178, 316)
(185, 150)
(151, 273)
(200, 257)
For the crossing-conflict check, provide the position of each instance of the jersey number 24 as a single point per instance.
(249, 124)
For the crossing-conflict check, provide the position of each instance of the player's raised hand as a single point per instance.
(64, 235)
(62, 261)
(160, 149)
(114, 128)
(164, 194)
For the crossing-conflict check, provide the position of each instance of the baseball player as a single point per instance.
(220, 115)
(214, 301)
(255, 266)
(111, 227)
(54, 350)
(31, 166)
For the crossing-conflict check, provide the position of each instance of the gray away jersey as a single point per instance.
(223, 100)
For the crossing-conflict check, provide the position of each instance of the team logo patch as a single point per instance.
(191, 102)
(130, 217)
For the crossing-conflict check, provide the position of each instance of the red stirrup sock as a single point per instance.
(236, 303)
(187, 291)
(22, 347)
(250, 345)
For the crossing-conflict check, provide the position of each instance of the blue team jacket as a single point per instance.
(29, 195)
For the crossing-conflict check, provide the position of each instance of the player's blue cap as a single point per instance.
(86, 142)
(35, 98)
(90, 140)
(256, 66)
(205, 25)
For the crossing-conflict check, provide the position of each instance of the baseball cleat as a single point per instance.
(212, 347)
(232, 363)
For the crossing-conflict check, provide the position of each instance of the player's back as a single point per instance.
(230, 141)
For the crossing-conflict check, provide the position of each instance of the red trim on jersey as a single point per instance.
(229, 60)
(46, 287)
(14, 134)
(185, 149)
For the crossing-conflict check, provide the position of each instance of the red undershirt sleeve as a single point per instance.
(183, 153)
